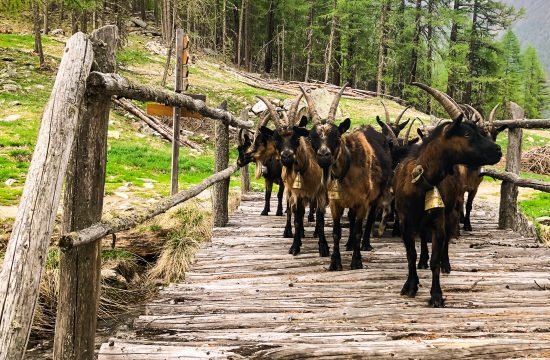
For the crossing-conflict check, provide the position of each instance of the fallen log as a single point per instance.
(162, 129)
(114, 84)
(138, 22)
(524, 123)
(99, 230)
(516, 180)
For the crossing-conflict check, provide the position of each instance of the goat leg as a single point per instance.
(469, 203)
(438, 246)
(411, 285)
(312, 207)
(280, 199)
(298, 228)
(396, 231)
(368, 229)
(424, 252)
(288, 227)
(356, 261)
(351, 237)
(268, 188)
(335, 259)
(324, 250)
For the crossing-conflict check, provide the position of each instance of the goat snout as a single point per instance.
(324, 157)
(287, 157)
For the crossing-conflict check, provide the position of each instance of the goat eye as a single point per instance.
(467, 134)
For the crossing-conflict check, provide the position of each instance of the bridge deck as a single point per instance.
(247, 298)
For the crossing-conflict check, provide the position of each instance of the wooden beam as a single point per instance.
(27, 249)
(80, 283)
(99, 230)
(245, 175)
(220, 194)
(516, 180)
(524, 123)
(114, 84)
(178, 82)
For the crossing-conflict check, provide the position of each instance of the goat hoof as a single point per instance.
(311, 218)
(446, 267)
(356, 264)
(410, 289)
(335, 267)
(423, 264)
(294, 251)
(437, 301)
(366, 247)
(288, 234)
(467, 227)
(265, 212)
(279, 213)
(324, 250)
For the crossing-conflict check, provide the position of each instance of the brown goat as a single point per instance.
(423, 171)
(301, 175)
(350, 164)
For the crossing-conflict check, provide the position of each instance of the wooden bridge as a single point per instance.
(247, 298)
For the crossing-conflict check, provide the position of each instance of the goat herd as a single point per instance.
(368, 172)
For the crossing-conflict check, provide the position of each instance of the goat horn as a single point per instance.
(401, 115)
(311, 106)
(408, 133)
(240, 137)
(263, 122)
(390, 133)
(272, 111)
(448, 103)
(285, 117)
(388, 121)
(334, 105)
(476, 113)
(294, 108)
(493, 114)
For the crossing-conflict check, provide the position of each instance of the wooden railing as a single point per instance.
(72, 145)
(509, 216)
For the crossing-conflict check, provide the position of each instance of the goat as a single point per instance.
(301, 175)
(422, 171)
(351, 166)
(395, 127)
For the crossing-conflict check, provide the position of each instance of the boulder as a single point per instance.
(57, 32)
(11, 87)
(323, 99)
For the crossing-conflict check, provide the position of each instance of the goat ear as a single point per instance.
(301, 131)
(402, 125)
(420, 133)
(451, 129)
(303, 122)
(379, 121)
(266, 131)
(414, 141)
(344, 126)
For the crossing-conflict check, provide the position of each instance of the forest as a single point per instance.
(464, 47)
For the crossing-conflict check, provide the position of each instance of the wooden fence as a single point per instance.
(72, 145)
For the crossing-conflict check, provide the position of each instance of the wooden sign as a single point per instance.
(155, 109)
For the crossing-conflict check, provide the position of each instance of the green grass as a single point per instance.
(537, 206)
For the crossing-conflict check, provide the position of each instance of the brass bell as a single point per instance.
(433, 200)
(334, 190)
(297, 182)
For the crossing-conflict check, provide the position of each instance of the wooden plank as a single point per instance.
(155, 109)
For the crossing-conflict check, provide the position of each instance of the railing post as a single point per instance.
(178, 86)
(507, 218)
(80, 267)
(220, 195)
(245, 175)
(28, 246)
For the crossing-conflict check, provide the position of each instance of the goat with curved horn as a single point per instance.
(450, 106)
(476, 114)
(492, 115)
(334, 106)
(388, 121)
(401, 115)
(408, 133)
(272, 111)
(294, 109)
(311, 106)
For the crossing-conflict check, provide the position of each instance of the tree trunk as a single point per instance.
(61, 13)
(27, 249)
(46, 17)
(268, 64)
(240, 35)
(381, 48)
(224, 29)
(143, 8)
(282, 77)
(220, 194)
(471, 56)
(452, 80)
(84, 22)
(429, 38)
(167, 20)
(37, 36)
(247, 37)
(309, 42)
(337, 70)
(416, 41)
(156, 12)
(328, 60)
(80, 285)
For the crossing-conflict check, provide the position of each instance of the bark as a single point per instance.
(99, 230)
(283, 53)
(309, 42)
(156, 12)
(328, 60)
(74, 21)
(452, 81)
(79, 287)
(224, 29)
(247, 38)
(220, 194)
(524, 123)
(27, 249)
(429, 41)
(268, 64)
(472, 54)
(84, 22)
(178, 85)
(516, 180)
(416, 41)
(37, 36)
(240, 35)
(113, 84)
(381, 47)
(46, 17)
(142, 8)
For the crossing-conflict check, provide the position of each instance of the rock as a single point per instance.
(11, 118)
(113, 134)
(10, 182)
(156, 48)
(276, 102)
(148, 186)
(57, 32)
(39, 86)
(113, 278)
(138, 22)
(323, 99)
(11, 87)
(259, 107)
(15, 103)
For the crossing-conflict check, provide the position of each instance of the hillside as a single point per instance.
(534, 26)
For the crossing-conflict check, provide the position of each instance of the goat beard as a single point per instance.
(258, 172)
(325, 175)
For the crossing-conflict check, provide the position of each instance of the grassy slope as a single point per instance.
(133, 157)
